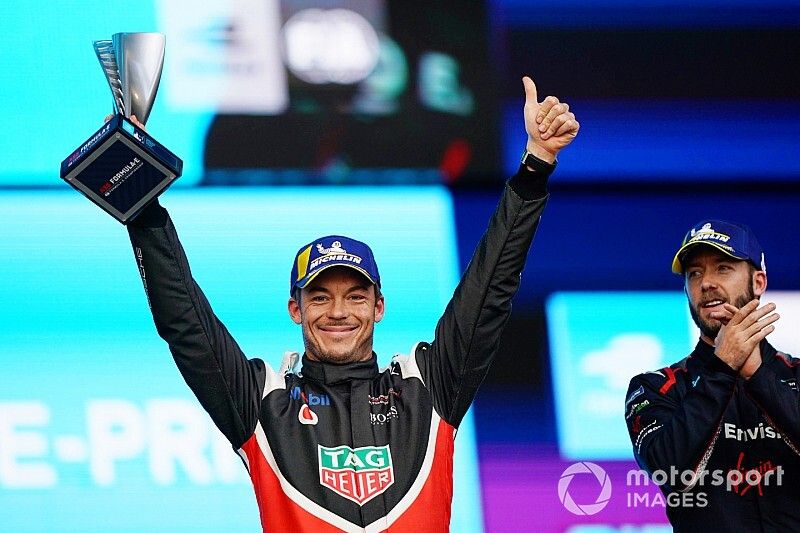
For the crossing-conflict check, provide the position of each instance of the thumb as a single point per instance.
(531, 98)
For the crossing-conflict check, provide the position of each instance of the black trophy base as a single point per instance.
(121, 168)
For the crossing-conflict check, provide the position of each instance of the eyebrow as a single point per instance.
(316, 288)
(359, 287)
(717, 260)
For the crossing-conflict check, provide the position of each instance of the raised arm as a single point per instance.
(226, 383)
(468, 333)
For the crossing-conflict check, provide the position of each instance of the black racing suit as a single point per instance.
(346, 447)
(738, 436)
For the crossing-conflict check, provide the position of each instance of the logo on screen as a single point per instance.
(602, 498)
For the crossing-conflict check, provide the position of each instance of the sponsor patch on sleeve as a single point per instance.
(632, 396)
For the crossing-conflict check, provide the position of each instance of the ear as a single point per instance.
(294, 311)
(759, 282)
(380, 307)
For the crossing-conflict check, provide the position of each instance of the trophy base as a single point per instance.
(121, 168)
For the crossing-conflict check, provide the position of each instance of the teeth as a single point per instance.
(713, 303)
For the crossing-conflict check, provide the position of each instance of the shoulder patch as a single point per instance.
(408, 364)
(636, 408)
(633, 395)
(276, 380)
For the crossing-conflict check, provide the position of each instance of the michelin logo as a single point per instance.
(707, 233)
(336, 248)
(334, 253)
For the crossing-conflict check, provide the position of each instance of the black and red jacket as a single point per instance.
(700, 416)
(346, 447)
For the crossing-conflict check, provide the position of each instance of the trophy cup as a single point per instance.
(121, 168)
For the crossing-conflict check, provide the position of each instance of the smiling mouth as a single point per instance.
(712, 303)
(338, 330)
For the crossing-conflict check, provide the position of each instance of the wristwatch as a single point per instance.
(531, 161)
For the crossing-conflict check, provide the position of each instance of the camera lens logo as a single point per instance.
(584, 508)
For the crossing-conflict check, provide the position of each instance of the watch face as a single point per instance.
(530, 160)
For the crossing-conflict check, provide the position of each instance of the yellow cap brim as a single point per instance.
(677, 267)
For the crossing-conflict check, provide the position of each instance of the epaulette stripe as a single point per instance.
(786, 359)
(670, 379)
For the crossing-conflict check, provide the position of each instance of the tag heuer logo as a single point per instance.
(357, 474)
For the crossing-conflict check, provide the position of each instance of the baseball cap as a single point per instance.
(735, 240)
(330, 251)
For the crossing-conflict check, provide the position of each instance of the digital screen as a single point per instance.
(253, 91)
(57, 96)
(98, 432)
(264, 92)
(658, 88)
(670, 144)
(356, 87)
(667, 13)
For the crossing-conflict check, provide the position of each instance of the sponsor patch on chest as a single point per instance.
(358, 474)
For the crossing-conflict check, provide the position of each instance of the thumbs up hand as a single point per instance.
(550, 124)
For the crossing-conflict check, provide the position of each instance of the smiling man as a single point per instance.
(723, 424)
(335, 296)
(331, 442)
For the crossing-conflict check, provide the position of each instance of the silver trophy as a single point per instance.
(132, 63)
(121, 168)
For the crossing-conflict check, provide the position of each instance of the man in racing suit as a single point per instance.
(335, 444)
(720, 429)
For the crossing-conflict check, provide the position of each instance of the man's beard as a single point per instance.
(709, 329)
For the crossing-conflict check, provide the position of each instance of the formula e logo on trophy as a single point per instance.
(600, 501)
